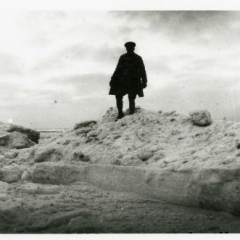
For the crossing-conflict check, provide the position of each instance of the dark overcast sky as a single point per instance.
(55, 66)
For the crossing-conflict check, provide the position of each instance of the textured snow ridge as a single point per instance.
(150, 139)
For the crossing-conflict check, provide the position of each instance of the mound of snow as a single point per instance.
(16, 137)
(201, 118)
(147, 138)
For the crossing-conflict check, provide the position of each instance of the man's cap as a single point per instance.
(130, 44)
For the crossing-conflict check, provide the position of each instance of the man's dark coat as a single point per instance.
(129, 76)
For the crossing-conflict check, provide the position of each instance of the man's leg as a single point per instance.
(119, 99)
(132, 98)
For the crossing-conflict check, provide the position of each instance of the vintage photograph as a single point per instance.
(119, 121)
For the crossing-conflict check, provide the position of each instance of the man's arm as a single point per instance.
(143, 73)
(119, 67)
(117, 71)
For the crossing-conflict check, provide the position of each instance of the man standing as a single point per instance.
(129, 78)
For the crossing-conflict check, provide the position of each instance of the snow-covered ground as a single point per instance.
(150, 139)
(155, 154)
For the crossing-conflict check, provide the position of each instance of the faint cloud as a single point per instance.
(84, 84)
(186, 25)
(80, 54)
(62, 57)
(10, 64)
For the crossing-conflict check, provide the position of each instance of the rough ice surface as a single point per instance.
(147, 138)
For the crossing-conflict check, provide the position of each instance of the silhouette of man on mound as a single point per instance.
(129, 78)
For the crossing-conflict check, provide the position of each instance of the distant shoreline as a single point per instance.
(52, 130)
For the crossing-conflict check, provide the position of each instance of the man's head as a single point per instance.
(130, 46)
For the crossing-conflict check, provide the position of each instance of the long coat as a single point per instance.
(129, 76)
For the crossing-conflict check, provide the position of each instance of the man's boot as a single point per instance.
(120, 109)
(131, 107)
